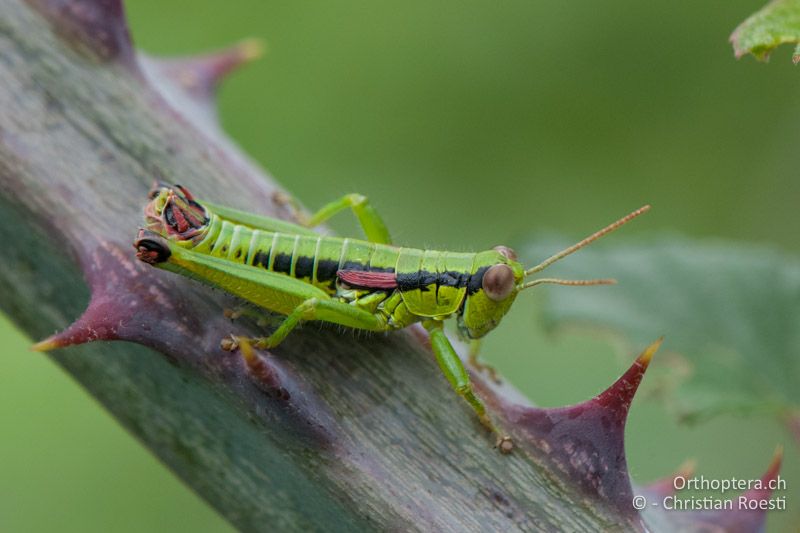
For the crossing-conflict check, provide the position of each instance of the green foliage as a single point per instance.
(776, 23)
(731, 312)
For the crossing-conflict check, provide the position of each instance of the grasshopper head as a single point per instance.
(499, 278)
(173, 213)
(493, 288)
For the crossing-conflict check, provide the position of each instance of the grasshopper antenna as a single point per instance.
(570, 282)
(575, 247)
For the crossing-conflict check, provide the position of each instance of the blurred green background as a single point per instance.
(468, 124)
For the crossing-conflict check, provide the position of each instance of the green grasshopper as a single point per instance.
(364, 284)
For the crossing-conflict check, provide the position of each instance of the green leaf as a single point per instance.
(730, 312)
(776, 23)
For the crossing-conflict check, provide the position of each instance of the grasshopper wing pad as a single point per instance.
(361, 279)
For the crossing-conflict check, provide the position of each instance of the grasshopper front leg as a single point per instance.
(454, 370)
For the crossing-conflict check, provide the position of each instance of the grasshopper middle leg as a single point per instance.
(328, 310)
(474, 350)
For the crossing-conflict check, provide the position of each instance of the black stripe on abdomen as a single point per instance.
(422, 279)
(261, 259)
(304, 267)
(326, 270)
(355, 265)
(282, 263)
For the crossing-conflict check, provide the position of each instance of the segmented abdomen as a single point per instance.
(431, 282)
(311, 258)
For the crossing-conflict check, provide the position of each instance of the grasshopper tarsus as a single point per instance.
(504, 444)
(484, 368)
(229, 343)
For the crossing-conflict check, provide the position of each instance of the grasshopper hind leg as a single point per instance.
(369, 219)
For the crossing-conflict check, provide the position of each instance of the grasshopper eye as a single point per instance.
(156, 189)
(498, 282)
(507, 252)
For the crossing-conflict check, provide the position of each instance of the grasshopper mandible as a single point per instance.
(364, 284)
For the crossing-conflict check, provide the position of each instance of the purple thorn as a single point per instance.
(199, 75)
(97, 25)
(188, 84)
(768, 480)
(793, 424)
(585, 442)
(126, 303)
(749, 510)
(263, 375)
(131, 301)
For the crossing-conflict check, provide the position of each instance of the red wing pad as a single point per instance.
(361, 279)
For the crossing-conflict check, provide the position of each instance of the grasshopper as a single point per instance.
(367, 284)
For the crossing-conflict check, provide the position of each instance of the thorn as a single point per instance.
(792, 421)
(686, 469)
(252, 49)
(199, 75)
(649, 352)
(620, 395)
(767, 480)
(88, 327)
(768, 477)
(188, 83)
(249, 356)
(739, 518)
(775, 465)
(124, 302)
(262, 373)
(50, 343)
(98, 27)
(585, 441)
